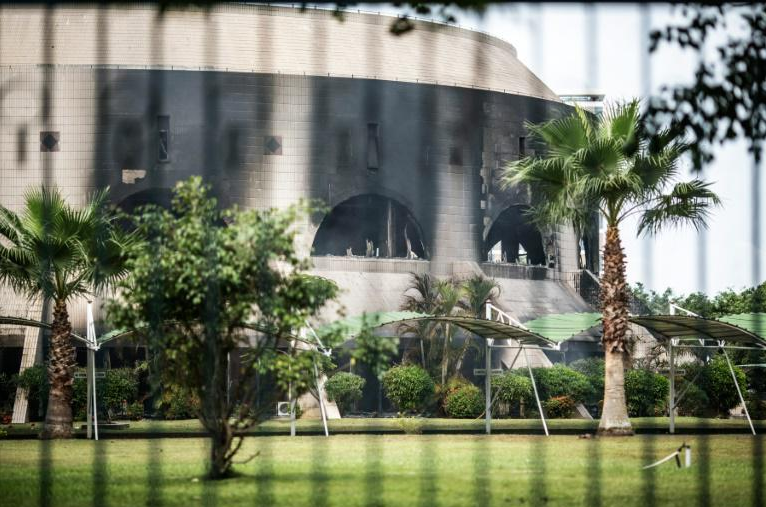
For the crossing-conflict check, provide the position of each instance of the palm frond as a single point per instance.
(687, 203)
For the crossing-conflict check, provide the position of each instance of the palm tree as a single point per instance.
(56, 252)
(612, 166)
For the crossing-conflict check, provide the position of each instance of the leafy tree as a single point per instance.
(206, 283)
(611, 165)
(53, 251)
(726, 98)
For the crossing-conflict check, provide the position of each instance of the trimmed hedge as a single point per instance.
(594, 369)
(561, 380)
(559, 407)
(646, 393)
(409, 388)
(345, 389)
(465, 402)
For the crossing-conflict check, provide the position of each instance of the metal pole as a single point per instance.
(322, 409)
(292, 410)
(95, 405)
(672, 388)
(487, 387)
(537, 396)
(487, 375)
(88, 380)
(739, 391)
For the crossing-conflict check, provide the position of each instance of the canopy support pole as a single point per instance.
(672, 388)
(534, 387)
(88, 381)
(739, 391)
(487, 387)
(92, 353)
(322, 409)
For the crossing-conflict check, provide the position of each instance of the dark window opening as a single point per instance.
(514, 239)
(373, 147)
(522, 147)
(49, 141)
(455, 155)
(370, 226)
(272, 145)
(163, 130)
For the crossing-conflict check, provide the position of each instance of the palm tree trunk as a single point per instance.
(58, 418)
(614, 307)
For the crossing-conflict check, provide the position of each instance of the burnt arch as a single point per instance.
(518, 239)
(370, 225)
(160, 196)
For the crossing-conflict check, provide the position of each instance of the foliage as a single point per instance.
(610, 164)
(646, 393)
(593, 369)
(409, 388)
(345, 389)
(135, 411)
(726, 98)
(441, 355)
(202, 280)
(559, 407)
(513, 389)
(715, 379)
(118, 388)
(35, 380)
(7, 392)
(727, 302)
(465, 402)
(53, 251)
(559, 380)
(375, 351)
(694, 401)
(177, 402)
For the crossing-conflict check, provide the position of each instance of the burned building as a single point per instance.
(403, 138)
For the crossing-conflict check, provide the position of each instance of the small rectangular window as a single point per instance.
(522, 147)
(373, 153)
(163, 138)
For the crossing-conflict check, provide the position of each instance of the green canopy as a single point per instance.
(352, 326)
(490, 329)
(691, 329)
(563, 326)
(753, 322)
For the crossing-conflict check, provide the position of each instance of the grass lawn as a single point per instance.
(434, 425)
(383, 470)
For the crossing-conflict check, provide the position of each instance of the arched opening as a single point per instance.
(160, 196)
(514, 239)
(370, 225)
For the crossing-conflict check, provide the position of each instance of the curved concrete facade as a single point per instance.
(260, 100)
(273, 105)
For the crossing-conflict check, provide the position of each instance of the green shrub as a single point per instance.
(7, 392)
(559, 380)
(118, 388)
(593, 368)
(464, 402)
(409, 388)
(345, 389)
(178, 403)
(646, 393)
(694, 402)
(559, 407)
(35, 380)
(513, 390)
(718, 385)
(135, 411)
